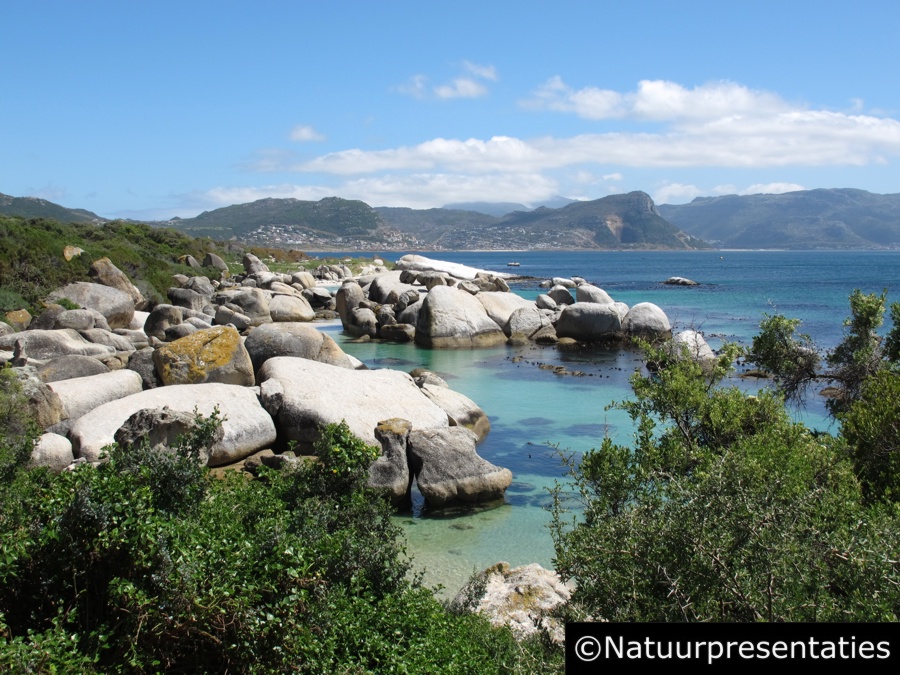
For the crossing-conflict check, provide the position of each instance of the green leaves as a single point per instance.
(147, 564)
(792, 358)
(724, 509)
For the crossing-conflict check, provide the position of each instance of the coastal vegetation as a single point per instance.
(146, 563)
(32, 263)
(725, 509)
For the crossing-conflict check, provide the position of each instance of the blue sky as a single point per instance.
(156, 109)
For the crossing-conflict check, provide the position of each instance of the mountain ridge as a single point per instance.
(819, 218)
(35, 207)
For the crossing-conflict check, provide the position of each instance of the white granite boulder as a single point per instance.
(80, 395)
(461, 410)
(589, 322)
(423, 264)
(51, 344)
(449, 471)
(103, 271)
(68, 367)
(647, 320)
(316, 394)
(52, 451)
(589, 293)
(115, 305)
(390, 472)
(500, 306)
(247, 426)
(211, 355)
(520, 598)
(283, 307)
(451, 318)
(526, 322)
(293, 339)
(693, 343)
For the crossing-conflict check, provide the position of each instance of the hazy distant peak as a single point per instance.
(503, 208)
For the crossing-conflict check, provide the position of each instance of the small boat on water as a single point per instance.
(513, 264)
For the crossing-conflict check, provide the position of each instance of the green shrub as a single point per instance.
(32, 264)
(871, 428)
(723, 510)
(147, 564)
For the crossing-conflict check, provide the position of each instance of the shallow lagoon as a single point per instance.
(531, 407)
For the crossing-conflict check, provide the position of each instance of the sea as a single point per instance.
(538, 416)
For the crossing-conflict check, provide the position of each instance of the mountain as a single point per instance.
(825, 218)
(33, 207)
(331, 217)
(429, 225)
(500, 209)
(496, 209)
(617, 221)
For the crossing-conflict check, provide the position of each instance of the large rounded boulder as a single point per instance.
(211, 355)
(648, 321)
(311, 395)
(451, 318)
(589, 322)
(293, 339)
(246, 425)
(115, 305)
(81, 395)
(449, 471)
(51, 344)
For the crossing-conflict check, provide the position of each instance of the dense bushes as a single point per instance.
(147, 564)
(724, 509)
(32, 263)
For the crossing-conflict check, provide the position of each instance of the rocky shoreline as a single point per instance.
(99, 365)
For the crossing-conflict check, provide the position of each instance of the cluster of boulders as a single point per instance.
(436, 304)
(237, 347)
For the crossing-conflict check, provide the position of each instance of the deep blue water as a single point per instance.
(532, 409)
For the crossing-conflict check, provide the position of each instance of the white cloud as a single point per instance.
(266, 160)
(416, 190)
(679, 193)
(771, 188)
(483, 72)
(226, 196)
(416, 86)
(500, 153)
(583, 177)
(805, 138)
(305, 133)
(461, 87)
(721, 125)
(470, 86)
(676, 193)
(656, 100)
(50, 192)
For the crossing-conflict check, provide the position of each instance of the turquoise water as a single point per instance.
(532, 409)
